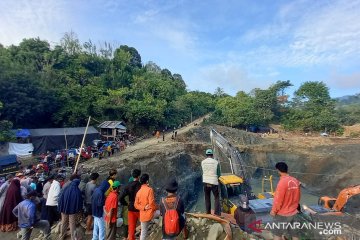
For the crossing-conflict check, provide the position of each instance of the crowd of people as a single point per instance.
(101, 206)
(82, 199)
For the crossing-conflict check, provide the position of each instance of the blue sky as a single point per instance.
(232, 44)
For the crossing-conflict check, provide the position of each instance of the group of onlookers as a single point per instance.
(22, 196)
(70, 201)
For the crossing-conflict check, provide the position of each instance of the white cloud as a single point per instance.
(229, 76)
(321, 35)
(24, 19)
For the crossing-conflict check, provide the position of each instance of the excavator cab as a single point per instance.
(327, 202)
(264, 194)
(231, 186)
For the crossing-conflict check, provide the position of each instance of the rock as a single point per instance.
(56, 228)
(203, 221)
(215, 231)
(196, 221)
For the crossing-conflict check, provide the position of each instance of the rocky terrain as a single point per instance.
(324, 166)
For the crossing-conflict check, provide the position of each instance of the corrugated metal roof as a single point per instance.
(113, 124)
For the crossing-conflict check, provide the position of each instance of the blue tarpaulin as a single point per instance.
(22, 133)
(7, 160)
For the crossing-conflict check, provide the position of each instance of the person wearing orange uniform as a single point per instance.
(286, 202)
(145, 203)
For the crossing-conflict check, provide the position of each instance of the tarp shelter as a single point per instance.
(21, 149)
(22, 133)
(8, 164)
(51, 139)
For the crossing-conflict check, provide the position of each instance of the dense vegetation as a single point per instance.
(311, 109)
(60, 86)
(348, 109)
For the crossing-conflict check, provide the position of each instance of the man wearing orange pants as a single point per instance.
(130, 190)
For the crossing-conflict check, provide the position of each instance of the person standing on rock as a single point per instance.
(89, 190)
(145, 203)
(111, 210)
(286, 202)
(130, 190)
(97, 205)
(111, 178)
(169, 204)
(25, 211)
(211, 173)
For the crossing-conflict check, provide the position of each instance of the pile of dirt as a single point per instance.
(352, 131)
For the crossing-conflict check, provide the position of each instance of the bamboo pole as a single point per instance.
(82, 143)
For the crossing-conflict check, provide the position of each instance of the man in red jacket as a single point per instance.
(286, 202)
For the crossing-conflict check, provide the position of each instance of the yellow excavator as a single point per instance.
(264, 194)
(231, 187)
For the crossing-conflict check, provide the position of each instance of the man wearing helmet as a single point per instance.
(211, 173)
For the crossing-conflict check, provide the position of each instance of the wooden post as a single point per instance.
(82, 143)
(65, 140)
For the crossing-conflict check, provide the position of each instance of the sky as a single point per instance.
(237, 45)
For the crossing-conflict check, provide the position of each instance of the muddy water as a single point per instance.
(307, 198)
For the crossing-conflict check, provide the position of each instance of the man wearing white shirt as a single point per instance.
(52, 201)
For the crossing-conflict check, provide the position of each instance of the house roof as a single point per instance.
(113, 124)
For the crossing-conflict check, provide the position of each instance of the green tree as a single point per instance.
(313, 109)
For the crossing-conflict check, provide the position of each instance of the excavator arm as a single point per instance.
(344, 196)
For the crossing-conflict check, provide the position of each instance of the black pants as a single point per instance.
(208, 188)
(52, 214)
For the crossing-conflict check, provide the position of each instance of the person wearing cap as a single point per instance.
(70, 205)
(25, 211)
(244, 215)
(145, 203)
(130, 190)
(111, 210)
(211, 173)
(111, 178)
(89, 190)
(173, 201)
(97, 204)
(52, 201)
(3, 189)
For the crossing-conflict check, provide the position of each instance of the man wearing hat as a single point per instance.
(211, 173)
(25, 211)
(172, 201)
(111, 210)
(244, 215)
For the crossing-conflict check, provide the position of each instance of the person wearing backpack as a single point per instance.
(172, 210)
